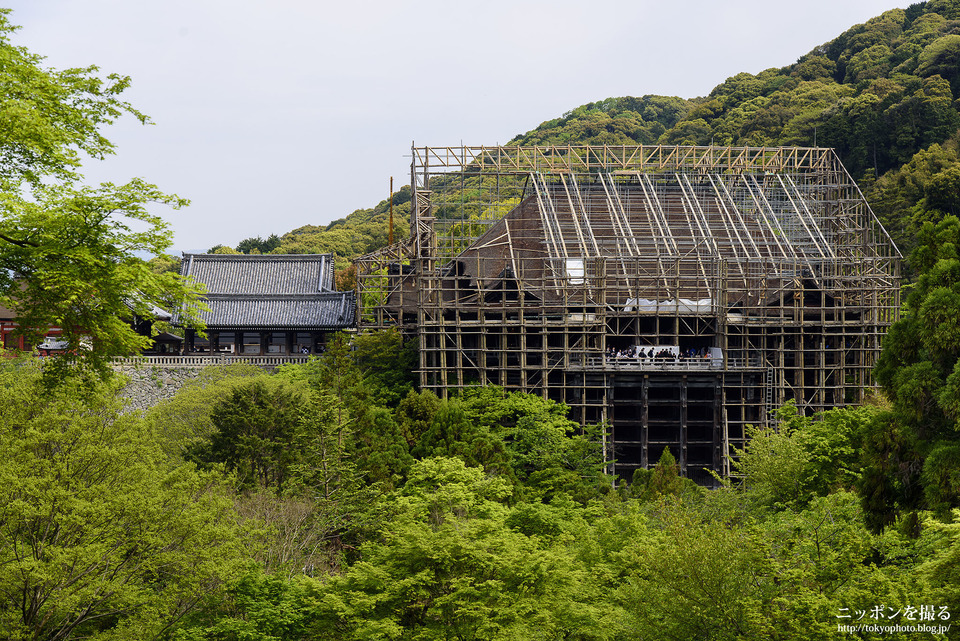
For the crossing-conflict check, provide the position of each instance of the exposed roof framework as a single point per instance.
(735, 203)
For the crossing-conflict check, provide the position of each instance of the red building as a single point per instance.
(14, 341)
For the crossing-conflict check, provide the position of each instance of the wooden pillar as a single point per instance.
(263, 342)
(214, 342)
(290, 337)
(645, 422)
(684, 427)
(721, 436)
(188, 343)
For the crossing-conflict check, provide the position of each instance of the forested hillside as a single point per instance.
(883, 94)
(334, 500)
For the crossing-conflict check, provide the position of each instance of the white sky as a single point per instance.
(274, 114)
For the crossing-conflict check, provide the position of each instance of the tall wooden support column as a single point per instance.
(682, 457)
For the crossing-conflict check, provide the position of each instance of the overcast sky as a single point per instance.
(271, 115)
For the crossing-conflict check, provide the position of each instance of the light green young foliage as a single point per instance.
(942, 567)
(69, 254)
(180, 422)
(258, 607)
(772, 465)
(803, 457)
(72, 261)
(98, 537)
(48, 117)
(446, 566)
(823, 560)
(684, 574)
(690, 579)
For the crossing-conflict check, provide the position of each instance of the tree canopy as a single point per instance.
(97, 531)
(71, 253)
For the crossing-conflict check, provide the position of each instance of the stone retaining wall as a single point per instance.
(149, 385)
(155, 378)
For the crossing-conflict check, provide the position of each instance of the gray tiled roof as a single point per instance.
(330, 310)
(154, 312)
(256, 274)
(270, 291)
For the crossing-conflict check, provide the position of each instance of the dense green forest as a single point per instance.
(334, 500)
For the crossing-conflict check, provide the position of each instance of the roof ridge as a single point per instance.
(242, 257)
(256, 296)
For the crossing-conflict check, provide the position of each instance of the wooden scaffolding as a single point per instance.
(675, 294)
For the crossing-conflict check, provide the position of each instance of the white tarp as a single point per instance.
(683, 305)
(575, 271)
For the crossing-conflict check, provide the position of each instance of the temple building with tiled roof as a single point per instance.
(267, 304)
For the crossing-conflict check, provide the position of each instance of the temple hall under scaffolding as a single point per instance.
(675, 293)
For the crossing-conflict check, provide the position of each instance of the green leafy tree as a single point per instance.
(379, 447)
(941, 57)
(358, 233)
(445, 565)
(386, 363)
(301, 476)
(453, 433)
(222, 249)
(258, 245)
(911, 450)
(547, 452)
(361, 379)
(803, 457)
(258, 607)
(941, 568)
(682, 571)
(183, 422)
(415, 413)
(258, 429)
(99, 536)
(70, 253)
(663, 480)
(614, 121)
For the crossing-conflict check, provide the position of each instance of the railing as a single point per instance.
(633, 364)
(209, 360)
